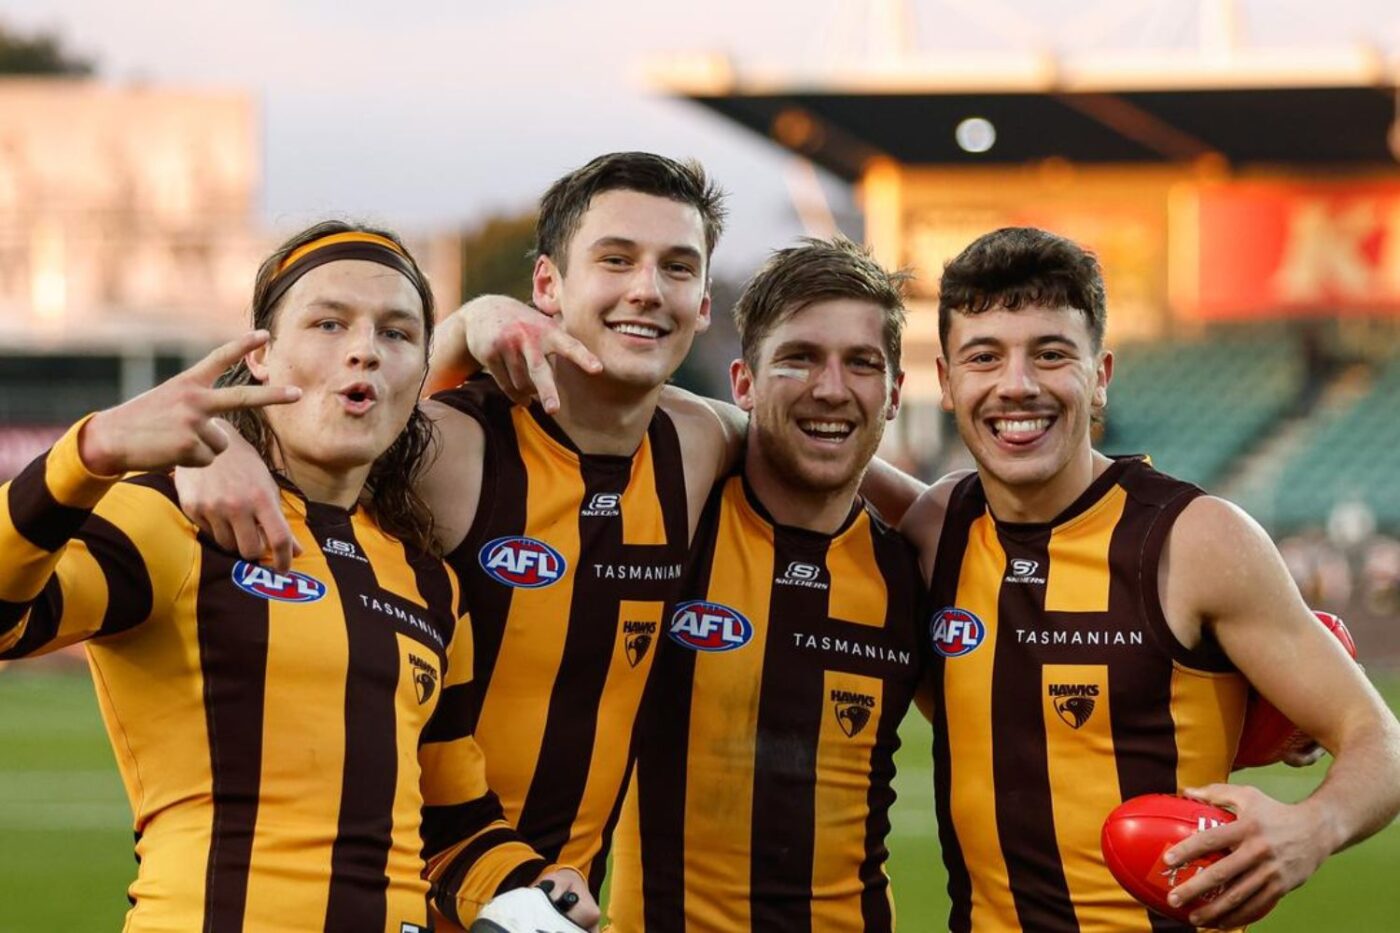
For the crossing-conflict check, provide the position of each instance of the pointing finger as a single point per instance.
(562, 344)
(222, 357)
(542, 375)
(231, 398)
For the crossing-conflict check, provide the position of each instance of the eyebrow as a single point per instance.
(788, 346)
(620, 242)
(394, 314)
(993, 342)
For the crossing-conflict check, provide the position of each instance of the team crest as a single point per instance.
(526, 563)
(424, 678)
(706, 626)
(266, 583)
(638, 637)
(853, 710)
(1074, 703)
(955, 632)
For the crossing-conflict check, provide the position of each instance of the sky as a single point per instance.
(431, 114)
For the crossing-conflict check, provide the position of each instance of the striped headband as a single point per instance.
(352, 244)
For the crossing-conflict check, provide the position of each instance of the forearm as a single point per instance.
(44, 507)
(1361, 794)
(450, 363)
(890, 490)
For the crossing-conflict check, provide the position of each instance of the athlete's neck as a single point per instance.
(601, 416)
(332, 487)
(1035, 503)
(822, 511)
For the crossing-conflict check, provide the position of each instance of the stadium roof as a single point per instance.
(1279, 107)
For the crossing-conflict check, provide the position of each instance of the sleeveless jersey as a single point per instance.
(765, 752)
(569, 562)
(1062, 692)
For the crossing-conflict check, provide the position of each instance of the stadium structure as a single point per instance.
(1245, 204)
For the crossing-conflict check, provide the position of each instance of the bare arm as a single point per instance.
(1222, 573)
(450, 484)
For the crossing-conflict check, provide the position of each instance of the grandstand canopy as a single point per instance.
(1287, 108)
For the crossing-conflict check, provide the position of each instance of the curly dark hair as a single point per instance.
(389, 495)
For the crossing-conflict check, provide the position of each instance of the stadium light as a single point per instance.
(975, 134)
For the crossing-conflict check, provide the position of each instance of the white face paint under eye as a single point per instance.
(789, 372)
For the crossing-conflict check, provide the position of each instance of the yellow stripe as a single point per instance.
(1083, 789)
(626, 908)
(968, 695)
(723, 733)
(350, 236)
(858, 590)
(617, 710)
(516, 706)
(1078, 575)
(404, 863)
(387, 562)
(1208, 710)
(303, 732)
(842, 799)
(642, 518)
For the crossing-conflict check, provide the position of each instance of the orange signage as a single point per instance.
(1271, 248)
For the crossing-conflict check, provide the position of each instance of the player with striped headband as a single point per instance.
(276, 731)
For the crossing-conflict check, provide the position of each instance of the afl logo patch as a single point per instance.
(709, 627)
(290, 587)
(527, 563)
(955, 632)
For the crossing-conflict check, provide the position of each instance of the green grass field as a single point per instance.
(65, 830)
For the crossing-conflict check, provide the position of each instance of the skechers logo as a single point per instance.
(853, 710)
(289, 587)
(1074, 703)
(527, 563)
(802, 574)
(338, 548)
(603, 505)
(1024, 571)
(637, 638)
(955, 632)
(708, 626)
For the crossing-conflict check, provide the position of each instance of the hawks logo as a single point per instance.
(638, 636)
(1074, 702)
(954, 632)
(853, 710)
(522, 562)
(289, 587)
(709, 627)
(424, 678)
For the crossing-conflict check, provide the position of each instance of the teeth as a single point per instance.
(637, 330)
(826, 427)
(1006, 426)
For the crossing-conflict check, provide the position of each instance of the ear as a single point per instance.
(702, 320)
(741, 384)
(546, 282)
(1102, 379)
(946, 401)
(257, 361)
(896, 393)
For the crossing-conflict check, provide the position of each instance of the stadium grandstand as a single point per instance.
(1245, 204)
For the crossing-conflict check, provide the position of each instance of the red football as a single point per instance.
(1268, 735)
(1138, 833)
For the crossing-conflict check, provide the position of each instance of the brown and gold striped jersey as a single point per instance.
(276, 733)
(569, 562)
(1061, 692)
(765, 749)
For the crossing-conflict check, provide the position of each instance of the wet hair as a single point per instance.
(818, 270)
(389, 495)
(568, 199)
(1019, 267)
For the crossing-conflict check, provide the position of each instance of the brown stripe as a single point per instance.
(444, 894)
(1025, 818)
(785, 757)
(964, 507)
(45, 616)
(664, 732)
(445, 826)
(500, 511)
(456, 710)
(233, 661)
(358, 883)
(552, 803)
(669, 465)
(36, 514)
